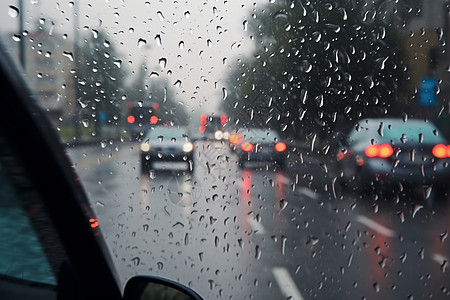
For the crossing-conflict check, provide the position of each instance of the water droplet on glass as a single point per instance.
(85, 122)
(136, 261)
(187, 14)
(158, 40)
(13, 11)
(103, 143)
(118, 63)
(160, 15)
(162, 62)
(245, 25)
(376, 287)
(141, 42)
(68, 54)
(257, 252)
(160, 265)
(416, 208)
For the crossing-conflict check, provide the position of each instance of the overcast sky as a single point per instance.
(200, 41)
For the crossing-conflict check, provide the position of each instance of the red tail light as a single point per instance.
(247, 147)
(441, 151)
(280, 147)
(131, 119)
(153, 119)
(384, 151)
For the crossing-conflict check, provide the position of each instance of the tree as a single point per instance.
(100, 80)
(318, 64)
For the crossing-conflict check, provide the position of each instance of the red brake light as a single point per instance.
(280, 147)
(153, 119)
(131, 119)
(247, 146)
(384, 151)
(441, 151)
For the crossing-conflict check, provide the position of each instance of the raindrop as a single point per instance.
(380, 129)
(403, 257)
(404, 117)
(95, 33)
(257, 252)
(118, 63)
(160, 265)
(158, 40)
(16, 37)
(376, 287)
(162, 62)
(136, 261)
(416, 208)
(209, 43)
(224, 93)
(187, 14)
(141, 42)
(422, 253)
(103, 143)
(107, 43)
(245, 25)
(68, 54)
(160, 15)
(344, 14)
(427, 191)
(145, 227)
(283, 245)
(401, 215)
(83, 104)
(13, 11)
(443, 236)
(181, 45)
(85, 122)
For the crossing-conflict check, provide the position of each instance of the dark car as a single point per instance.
(259, 145)
(165, 144)
(391, 152)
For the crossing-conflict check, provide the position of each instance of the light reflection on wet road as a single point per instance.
(262, 233)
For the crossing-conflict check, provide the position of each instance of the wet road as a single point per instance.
(263, 233)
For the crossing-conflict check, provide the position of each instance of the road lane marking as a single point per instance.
(283, 179)
(256, 226)
(439, 258)
(307, 192)
(375, 226)
(286, 284)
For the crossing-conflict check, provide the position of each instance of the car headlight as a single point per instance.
(188, 147)
(218, 135)
(145, 147)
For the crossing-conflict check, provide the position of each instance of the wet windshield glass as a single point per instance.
(333, 206)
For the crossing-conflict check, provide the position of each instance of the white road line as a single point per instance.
(307, 192)
(286, 284)
(257, 227)
(375, 226)
(284, 179)
(439, 258)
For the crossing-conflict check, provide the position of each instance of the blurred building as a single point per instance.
(48, 65)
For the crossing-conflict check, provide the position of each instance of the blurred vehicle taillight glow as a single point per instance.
(441, 151)
(131, 119)
(247, 147)
(383, 151)
(280, 147)
(236, 139)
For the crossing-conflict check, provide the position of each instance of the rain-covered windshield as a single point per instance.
(309, 216)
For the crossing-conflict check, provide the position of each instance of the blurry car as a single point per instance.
(391, 152)
(164, 143)
(256, 144)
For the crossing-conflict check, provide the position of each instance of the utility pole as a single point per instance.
(22, 37)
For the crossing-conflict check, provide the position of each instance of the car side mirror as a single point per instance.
(152, 288)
